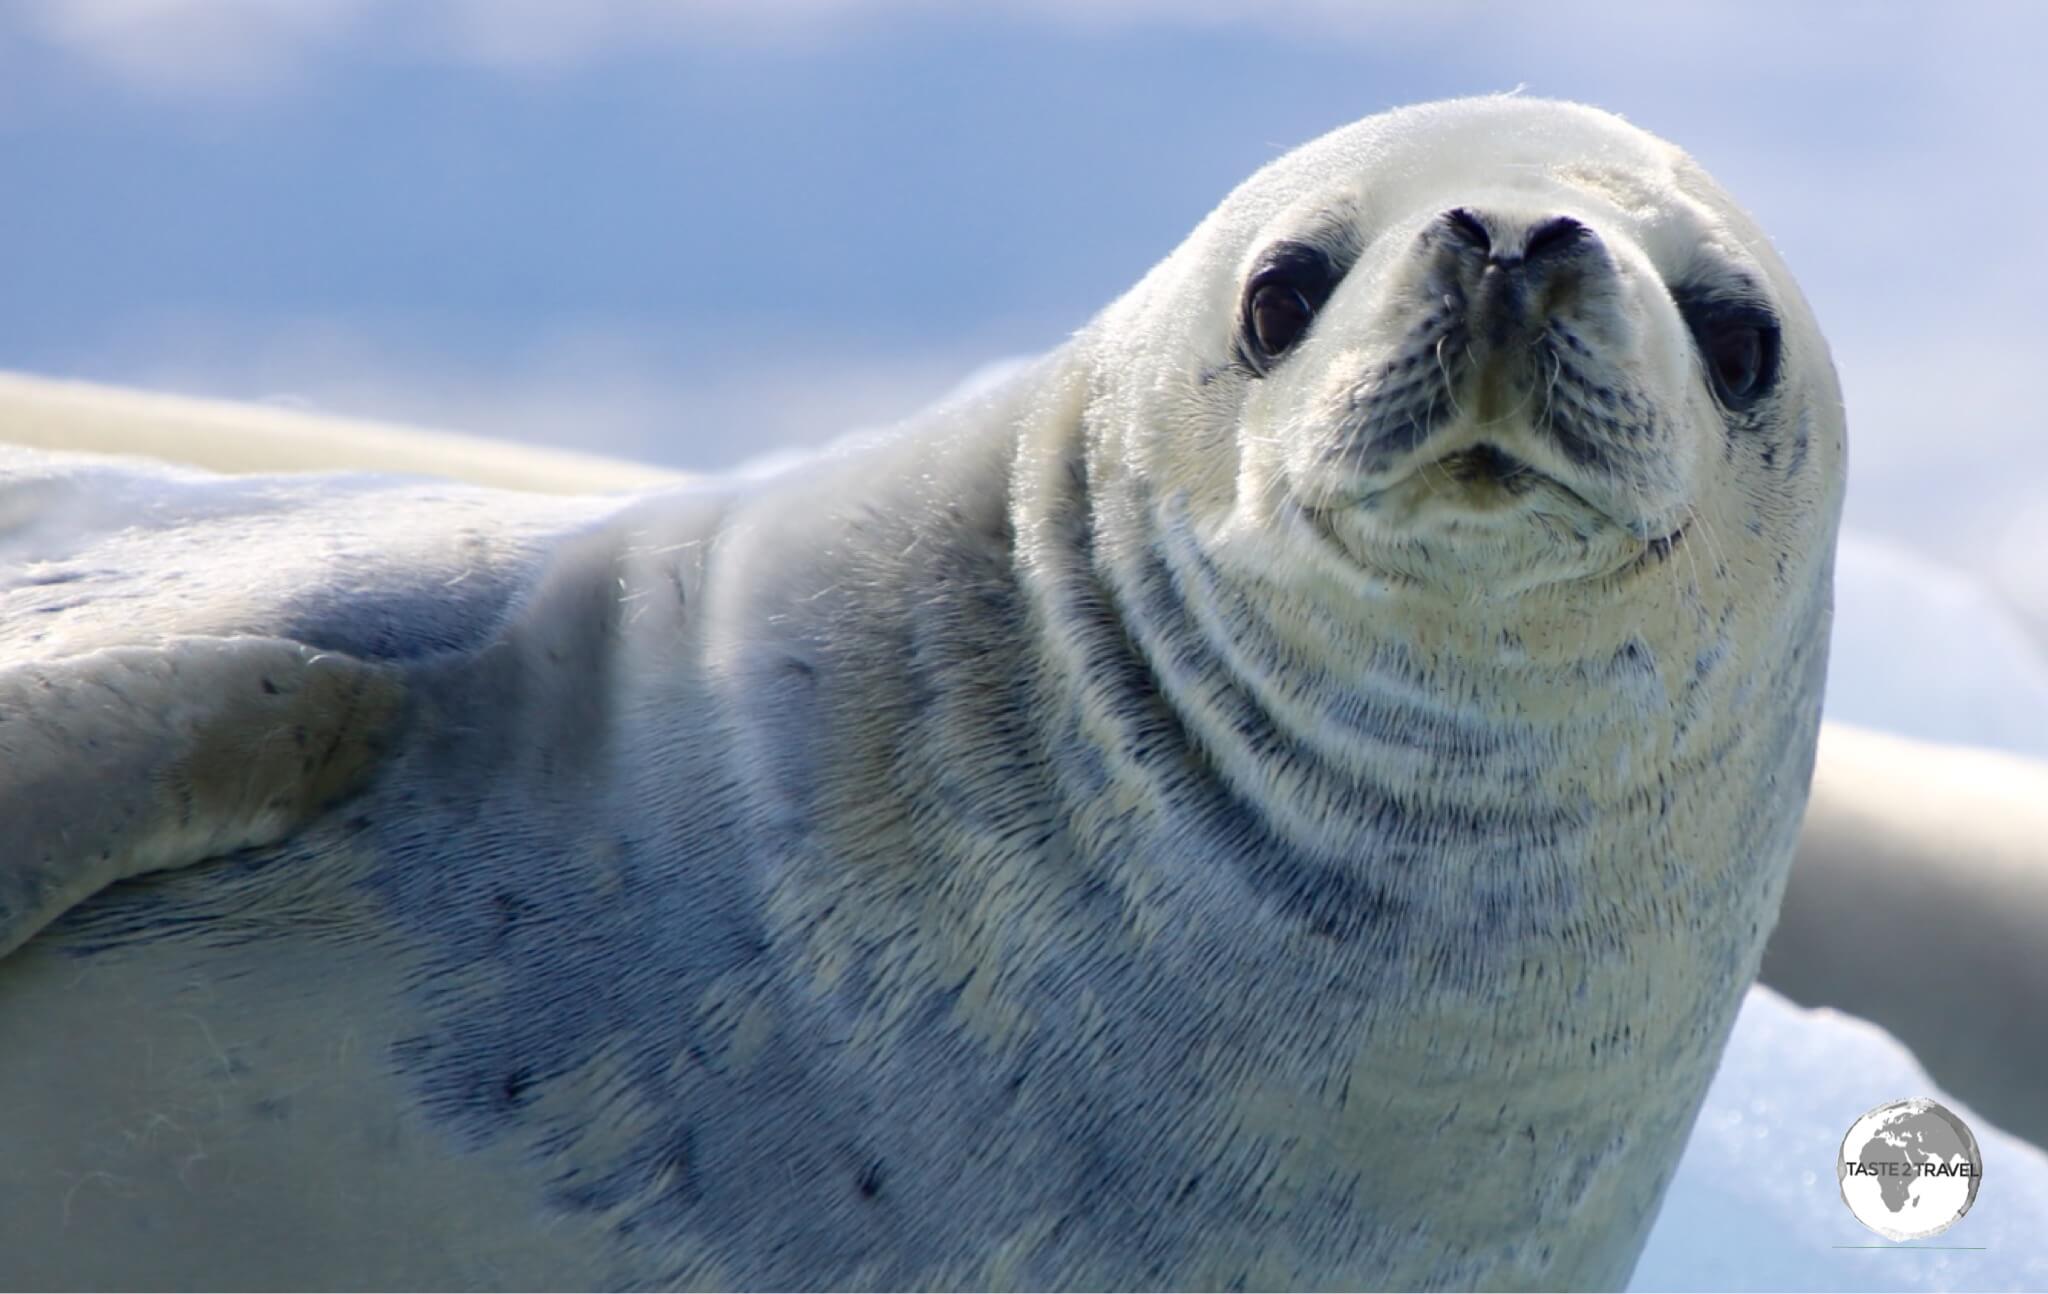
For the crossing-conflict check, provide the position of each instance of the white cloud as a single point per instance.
(192, 46)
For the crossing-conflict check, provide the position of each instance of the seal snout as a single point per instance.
(1505, 401)
(1513, 272)
(1512, 361)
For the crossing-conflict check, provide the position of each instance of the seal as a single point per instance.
(1289, 789)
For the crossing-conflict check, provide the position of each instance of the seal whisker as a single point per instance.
(1449, 389)
(1719, 555)
(1549, 407)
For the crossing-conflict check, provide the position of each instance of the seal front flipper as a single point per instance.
(129, 760)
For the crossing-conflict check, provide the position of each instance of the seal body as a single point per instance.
(1288, 790)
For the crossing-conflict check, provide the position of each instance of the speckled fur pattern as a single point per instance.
(1115, 832)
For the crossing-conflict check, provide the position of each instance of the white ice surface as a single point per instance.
(1927, 651)
(1755, 1205)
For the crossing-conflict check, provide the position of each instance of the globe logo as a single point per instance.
(1909, 1169)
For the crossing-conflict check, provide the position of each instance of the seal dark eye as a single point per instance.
(1279, 315)
(1735, 353)
(1738, 342)
(1281, 298)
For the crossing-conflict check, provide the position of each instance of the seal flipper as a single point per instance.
(130, 760)
(1912, 845)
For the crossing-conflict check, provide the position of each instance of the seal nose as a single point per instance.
(1554, 238)
(1512, 267)
(1513, 244)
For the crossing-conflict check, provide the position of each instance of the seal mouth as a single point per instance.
(1481, 478)
(1488, 471)
(1490, 464)
(1654, 551)
(1485, 485)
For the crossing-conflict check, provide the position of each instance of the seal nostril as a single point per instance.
(1555, 235)
(1468, 228)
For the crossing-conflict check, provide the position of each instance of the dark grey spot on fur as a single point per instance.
(1802, 435)
(869, 1184)
(512, 1092)
(272, 1109)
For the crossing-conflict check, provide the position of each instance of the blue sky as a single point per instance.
(694, 231)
